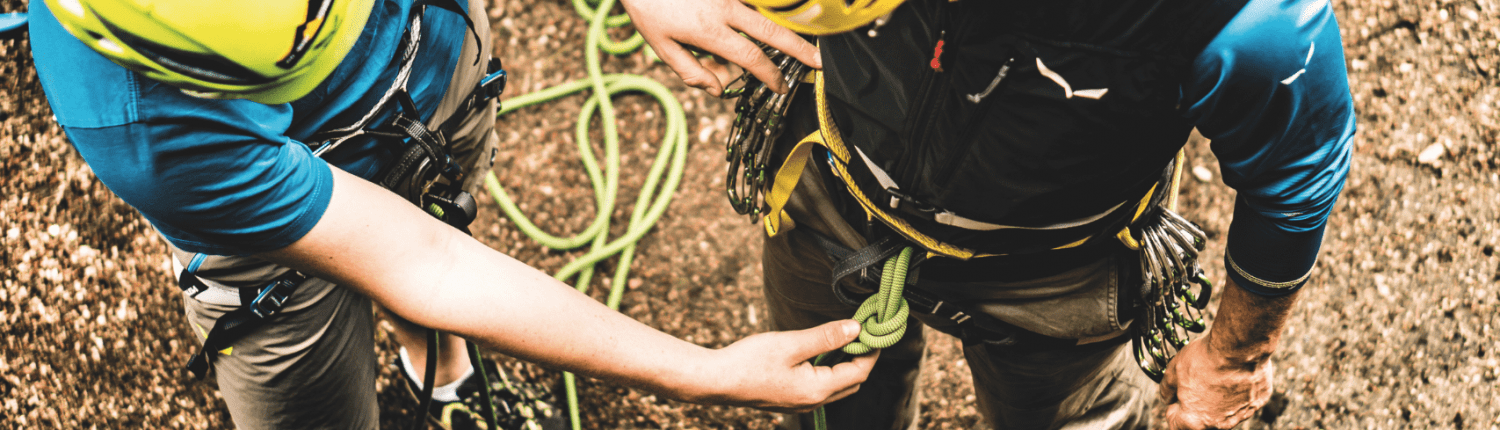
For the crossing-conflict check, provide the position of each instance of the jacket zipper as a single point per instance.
(916, 133)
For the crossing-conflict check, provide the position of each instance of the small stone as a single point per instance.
(1432, 154)
(704, 134)
(1203, 174)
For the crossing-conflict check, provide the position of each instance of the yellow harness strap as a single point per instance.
(828, 137)
(786, 181)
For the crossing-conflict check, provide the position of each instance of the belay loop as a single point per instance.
(883, 316)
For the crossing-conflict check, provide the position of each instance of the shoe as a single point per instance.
(518, 405)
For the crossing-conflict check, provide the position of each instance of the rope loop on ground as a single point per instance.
(661, 180)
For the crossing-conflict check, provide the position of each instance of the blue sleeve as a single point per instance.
(217, 179)
(1272, 92)
(213, 176)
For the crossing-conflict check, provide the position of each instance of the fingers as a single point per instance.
(743, 52)
(845, 378)
(757, 26)
(687, 67)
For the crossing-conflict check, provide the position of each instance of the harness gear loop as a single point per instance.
(883, 316)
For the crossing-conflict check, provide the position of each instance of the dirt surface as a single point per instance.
(1395, 330)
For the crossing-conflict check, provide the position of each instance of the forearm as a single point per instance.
(427, 272)
(1221, 379)
(529, 315)
(1248, 326)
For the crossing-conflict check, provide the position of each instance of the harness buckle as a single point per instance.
(918, 205)
(269, 299)
(493, 84)
(451, 205)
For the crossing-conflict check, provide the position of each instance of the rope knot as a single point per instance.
(883, 316)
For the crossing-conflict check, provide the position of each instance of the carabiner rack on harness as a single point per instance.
(1172, 308)
(758, 122)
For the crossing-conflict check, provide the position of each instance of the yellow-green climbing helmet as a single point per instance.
(823, 17)
(269, 51)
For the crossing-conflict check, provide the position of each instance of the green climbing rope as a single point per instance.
(652, 201)
(882, 318)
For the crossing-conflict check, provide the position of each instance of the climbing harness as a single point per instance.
(656, 193)
(759, 117)
(256, 306)
(1174, 289)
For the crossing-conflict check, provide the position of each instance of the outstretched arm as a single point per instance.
(425, 271)
(1221, 379)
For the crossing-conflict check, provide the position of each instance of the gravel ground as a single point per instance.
(1395, 330)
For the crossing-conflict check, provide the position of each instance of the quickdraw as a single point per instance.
(758, 122)
(1174, 290)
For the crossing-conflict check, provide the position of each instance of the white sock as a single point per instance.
(441, 393)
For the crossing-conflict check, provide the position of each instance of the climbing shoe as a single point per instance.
(518, 405)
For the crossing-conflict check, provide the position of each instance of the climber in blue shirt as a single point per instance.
(279, 146)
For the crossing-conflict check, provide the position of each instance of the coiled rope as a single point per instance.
(666, 169)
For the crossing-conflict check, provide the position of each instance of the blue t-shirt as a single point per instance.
(233, 177)
(1272, 92)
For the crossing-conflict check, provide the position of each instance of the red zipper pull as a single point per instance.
(937, 54)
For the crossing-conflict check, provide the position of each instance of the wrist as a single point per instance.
(1247, 327)
(698, 378)
(1239, 353)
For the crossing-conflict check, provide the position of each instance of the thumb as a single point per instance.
(809, 343)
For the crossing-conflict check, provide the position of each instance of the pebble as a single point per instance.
(1203, 174)
(1432, 154)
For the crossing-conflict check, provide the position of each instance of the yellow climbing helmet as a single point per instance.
(823, 17)
(269, 51)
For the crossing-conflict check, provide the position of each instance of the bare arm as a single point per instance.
(1222, 378)
(374, 242)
